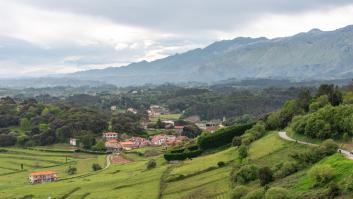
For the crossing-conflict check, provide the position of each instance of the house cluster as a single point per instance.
(156, 111)
(167, 140)
(42, 177)
(112, 142)
(209, 126)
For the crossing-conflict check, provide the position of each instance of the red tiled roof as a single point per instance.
(114, 133)
(179, 127)
(113, 141)
(42, 173)
(127, 143)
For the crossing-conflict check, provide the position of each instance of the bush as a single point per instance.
(257, 194)
(71, 170)
(322, 174)
(221, 164)
(277, 193)
(265, 176)
(243, 151)
(236, 141)
(151, 164)
(328, 147)
(96, 167)
(246, 174)
(333, 190)
(182, 156)
(222, 137)
(286, 169)
(238, 192)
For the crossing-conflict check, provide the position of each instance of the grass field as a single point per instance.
(166, 117)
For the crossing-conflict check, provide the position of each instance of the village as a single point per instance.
(116, 143)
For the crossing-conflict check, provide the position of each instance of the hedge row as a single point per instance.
(182, 156)
(181, 150)
(222, 137)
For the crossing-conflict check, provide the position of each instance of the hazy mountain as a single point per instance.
(313, 55)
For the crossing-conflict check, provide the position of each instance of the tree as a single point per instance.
(7, 140)
(99, 146)
(151, 164)
(304, 99)
(96, 167)
(243, 152)
(25, 124)
(265, 175)
(246, 174)
(88, 141)
(236, 141)
(322, 174)
(71, 170)
(333, 93)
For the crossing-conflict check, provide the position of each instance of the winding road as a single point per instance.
(283, 135)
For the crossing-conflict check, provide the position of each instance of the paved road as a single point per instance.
(284, 136)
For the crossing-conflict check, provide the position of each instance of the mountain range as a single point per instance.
(313, 55)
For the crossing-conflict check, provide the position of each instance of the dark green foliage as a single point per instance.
(221, 164)
(96, 167)
(7, 140)
(322, 174)
(236, 141)
(332, 92)
(243, 152)
(222, 137)
(333, 190)
(88, 140)
(151, 164)
(183, 155)
(191, 131)
(128, 123)
(245, 174)
(257, 194)
(71, 170)
(287, 168)
(265, 175)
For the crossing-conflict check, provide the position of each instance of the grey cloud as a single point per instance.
(186, 15)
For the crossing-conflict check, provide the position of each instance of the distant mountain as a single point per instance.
(312, 55)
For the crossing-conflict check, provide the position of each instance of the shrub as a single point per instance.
(333, 190)
(182, 156)
(246, 174)
(71, 170)
(277, 193)
(151, 164)
(243, 151)
(238, 192)
(222, 137)
(96, 167)
(328, 147)
(265, 175)
(257, 194)
(286, 169)
(322, 174)
(221, 164)
(236, 141)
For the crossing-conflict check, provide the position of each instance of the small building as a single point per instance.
(159, 139)
(140, 142)
(74, 142)
(42, 177)
(110, 136)
(128, 145)
(131, 110)
(113, 145)
(113, 108)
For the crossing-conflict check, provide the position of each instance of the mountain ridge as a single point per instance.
(315, 54)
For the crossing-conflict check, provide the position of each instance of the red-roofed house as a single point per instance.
(128, 145)
(140, 142)
(110, 136)
(42, 177)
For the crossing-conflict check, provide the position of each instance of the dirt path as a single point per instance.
(283, 135)
(119, 159)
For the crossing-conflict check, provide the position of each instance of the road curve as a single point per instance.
(283, 135)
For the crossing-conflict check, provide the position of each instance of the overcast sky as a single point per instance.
(40, 37)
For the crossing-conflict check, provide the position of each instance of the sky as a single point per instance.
(42, 37)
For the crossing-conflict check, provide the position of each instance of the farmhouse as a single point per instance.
(110, 136)
(159, 139)
(113, 145)
(74, 142)
(42, 177)
(131, 110)
(156, 111)
(128, 145)
(140, 142)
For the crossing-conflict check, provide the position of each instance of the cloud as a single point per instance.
(43, 37)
